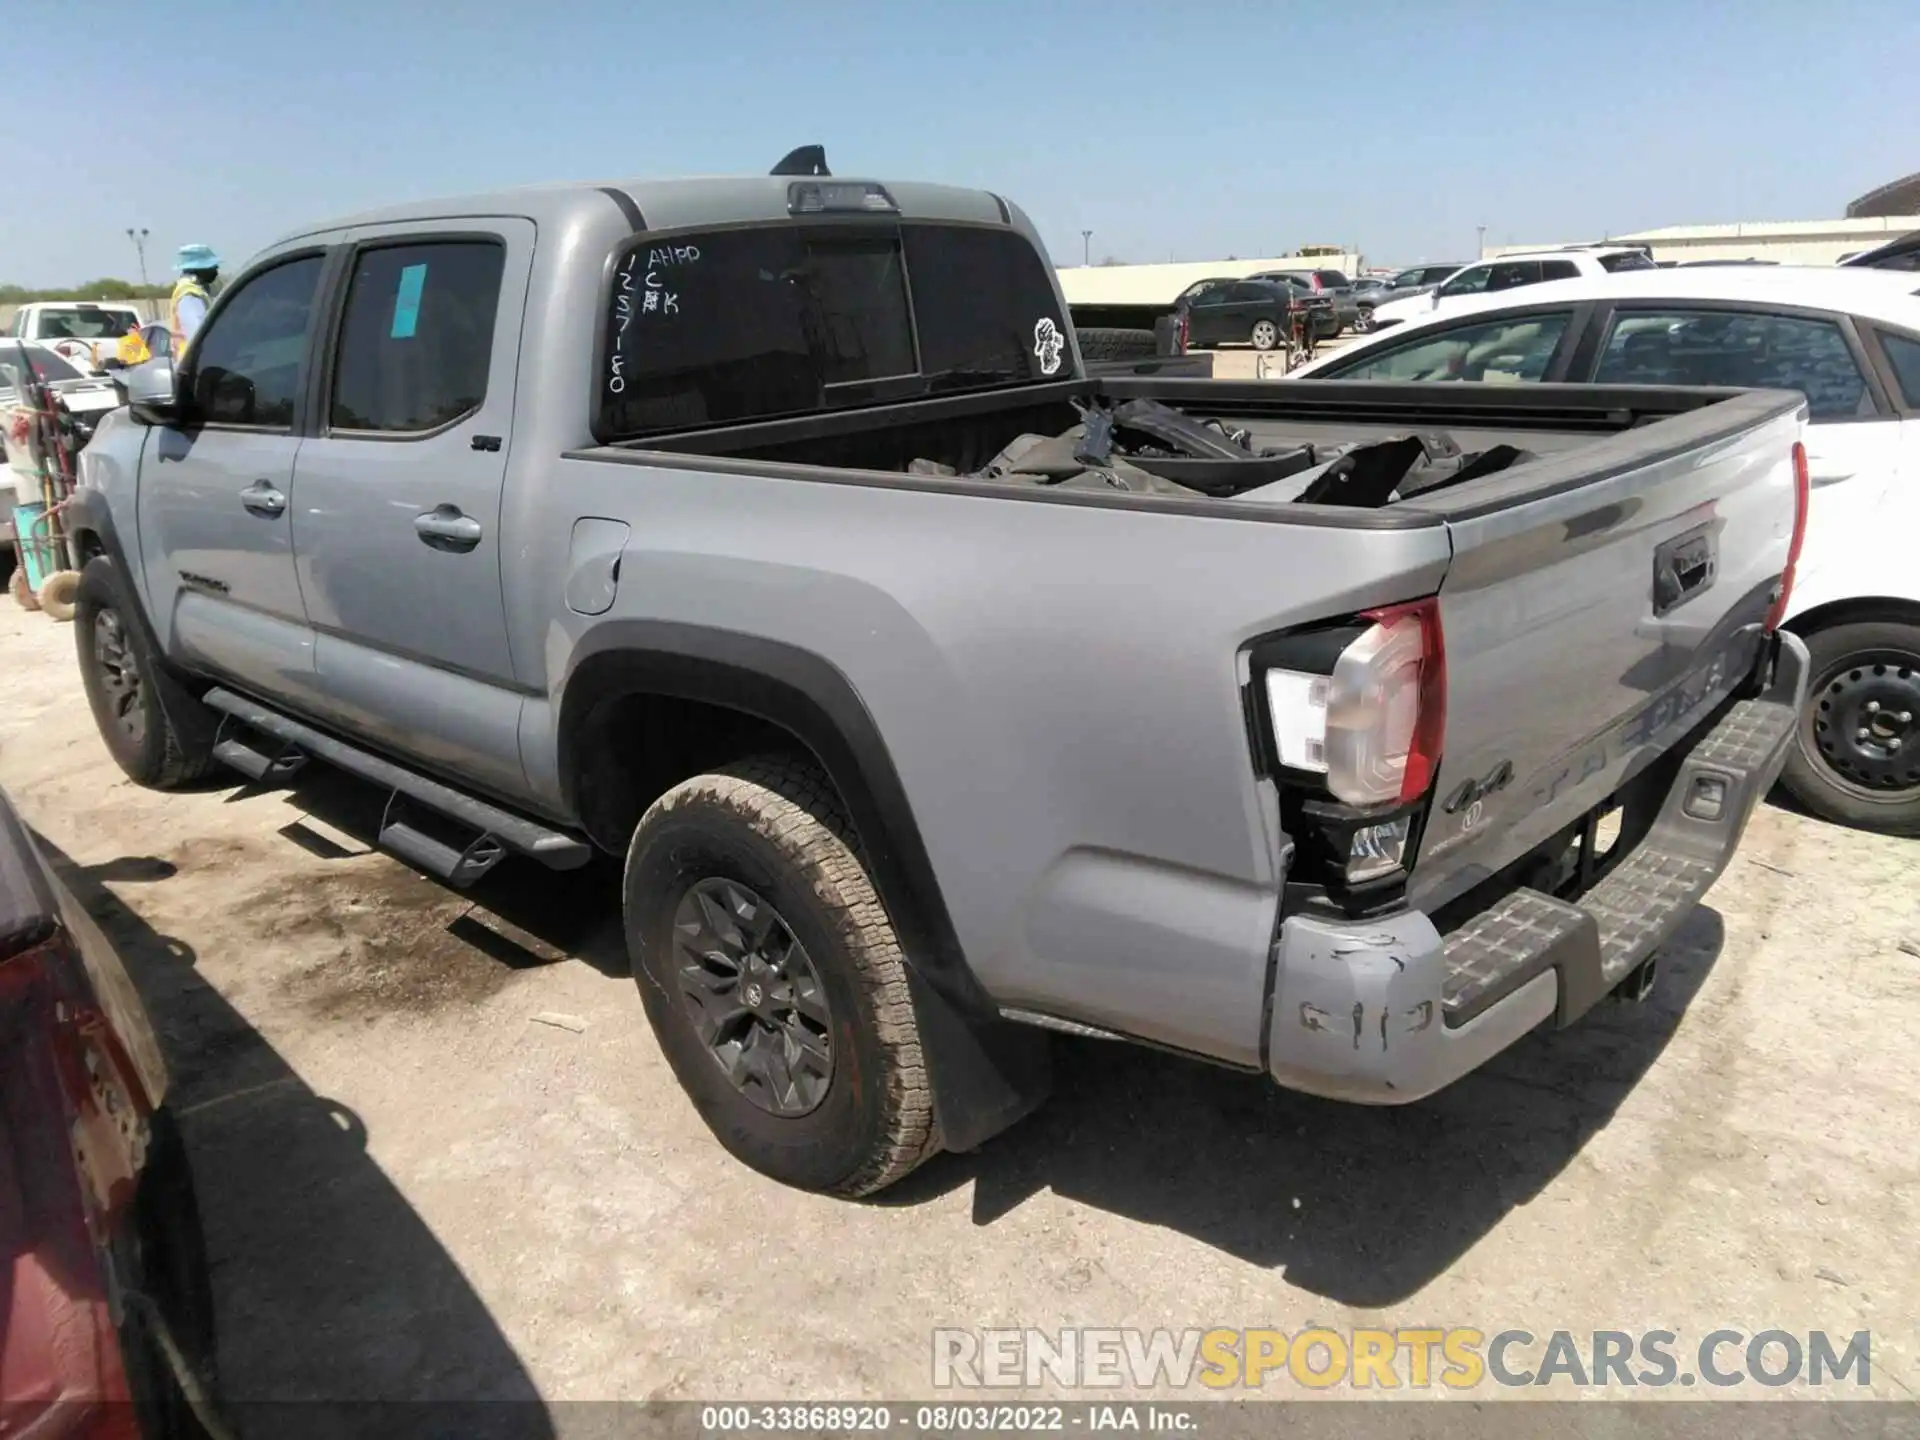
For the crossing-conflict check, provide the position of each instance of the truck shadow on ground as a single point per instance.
(526, 916)
(328, 1286)
(1387, 1198)
(1361, 1205)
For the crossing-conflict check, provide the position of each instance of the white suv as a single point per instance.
(1509, 272)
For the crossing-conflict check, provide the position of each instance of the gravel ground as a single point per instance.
(440, 1154)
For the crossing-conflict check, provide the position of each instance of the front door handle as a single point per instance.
(445, 528)
(262, 499)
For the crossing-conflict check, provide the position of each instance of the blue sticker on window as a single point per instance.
(406, 302)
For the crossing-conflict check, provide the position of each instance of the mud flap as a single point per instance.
(986, 1074)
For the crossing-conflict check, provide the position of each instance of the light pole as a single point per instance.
(1480, 252)
(1086, 248)
(139, 239)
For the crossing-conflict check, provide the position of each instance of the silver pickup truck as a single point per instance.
(768, 532)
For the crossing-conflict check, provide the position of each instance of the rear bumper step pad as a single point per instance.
(1384, 1011)
(1595, 941)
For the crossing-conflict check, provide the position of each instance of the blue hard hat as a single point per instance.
(196, 257)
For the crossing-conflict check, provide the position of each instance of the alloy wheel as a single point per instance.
(753, 995)
(119, 675)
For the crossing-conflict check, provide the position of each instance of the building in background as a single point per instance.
(1785, 242)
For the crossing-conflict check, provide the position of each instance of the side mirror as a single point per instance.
(151, 396)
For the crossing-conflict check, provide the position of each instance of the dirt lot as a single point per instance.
(417, 1184)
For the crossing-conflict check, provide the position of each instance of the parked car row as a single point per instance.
(1846, 338)
(1510, 272)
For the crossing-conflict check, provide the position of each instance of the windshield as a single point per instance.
(84, 323)
(47, 366)
(724, 326)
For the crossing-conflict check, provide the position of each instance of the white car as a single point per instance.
(81, 332)
(1849, 340)
(1510, 272)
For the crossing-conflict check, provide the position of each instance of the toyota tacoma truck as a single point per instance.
(767, 532)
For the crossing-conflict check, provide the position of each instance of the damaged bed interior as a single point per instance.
(1192, 440)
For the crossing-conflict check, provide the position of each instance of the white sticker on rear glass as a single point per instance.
(1047, 343)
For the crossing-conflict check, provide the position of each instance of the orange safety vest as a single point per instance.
(182, 288)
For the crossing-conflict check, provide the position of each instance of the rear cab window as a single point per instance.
(719, 327)
(1627, 260)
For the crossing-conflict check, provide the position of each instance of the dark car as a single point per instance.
(109, 1327)
(1333, 284)
(1253, 312)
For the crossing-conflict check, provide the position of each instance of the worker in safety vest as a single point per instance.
(192, 293)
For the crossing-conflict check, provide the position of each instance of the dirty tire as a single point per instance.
(1110, 343)
(155, 729)
(777, 826)
(57, 594)
(1843, 658)
(22, 592)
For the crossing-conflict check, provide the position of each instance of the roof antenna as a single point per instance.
(806, 160)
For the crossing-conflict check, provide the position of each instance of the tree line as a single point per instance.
(107, 289)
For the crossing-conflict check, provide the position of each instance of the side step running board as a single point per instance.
(496, 830)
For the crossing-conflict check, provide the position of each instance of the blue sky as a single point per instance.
(1195, 130)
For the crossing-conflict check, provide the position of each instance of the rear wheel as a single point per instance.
(1265, 335)
(156, 731)
(1856, 759)
(774, 980)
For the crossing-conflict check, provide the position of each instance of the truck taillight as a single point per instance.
(1374, 725)
(1802, 498)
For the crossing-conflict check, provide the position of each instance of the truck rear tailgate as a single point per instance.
(1600, 605)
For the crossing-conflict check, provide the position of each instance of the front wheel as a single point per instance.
(156, 731)
(774, 981)
(1856, 757)
(1363, 322)
(1265, 335)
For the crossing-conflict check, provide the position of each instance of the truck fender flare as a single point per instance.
(812, 700)
(986, 1071)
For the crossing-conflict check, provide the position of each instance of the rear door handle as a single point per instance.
(445, 528)
(262, 499)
